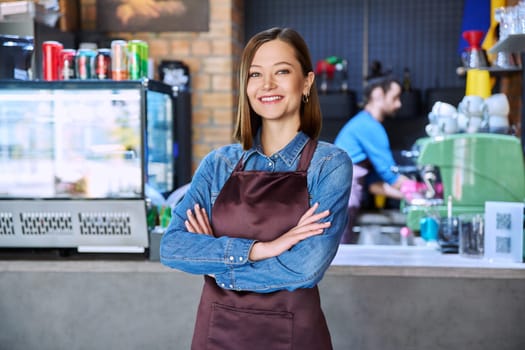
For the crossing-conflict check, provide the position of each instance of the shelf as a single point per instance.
(462, 71)
(513, 43)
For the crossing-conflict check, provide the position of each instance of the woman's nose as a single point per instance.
(268, 83)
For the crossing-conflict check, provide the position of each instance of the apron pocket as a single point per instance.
(236, 328)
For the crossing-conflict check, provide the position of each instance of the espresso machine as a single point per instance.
(473, 168)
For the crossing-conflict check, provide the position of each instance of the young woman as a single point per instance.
(263, 218)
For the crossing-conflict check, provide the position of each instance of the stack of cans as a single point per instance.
(125, 60)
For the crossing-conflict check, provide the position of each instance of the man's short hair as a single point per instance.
(383, 82)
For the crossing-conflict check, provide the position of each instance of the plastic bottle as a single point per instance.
(407, 82)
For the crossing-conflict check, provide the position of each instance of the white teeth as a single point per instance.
(270, 99)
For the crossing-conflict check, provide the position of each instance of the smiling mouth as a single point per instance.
(270, 98)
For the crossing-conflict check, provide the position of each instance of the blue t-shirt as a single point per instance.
(363, 137)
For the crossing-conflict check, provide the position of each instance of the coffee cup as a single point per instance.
(472, 105)
(498, 121)
(443, 109)
(448, 125)
(497, 104)
(432, 130)
(474, 124)
(462, 120)
(498, 124)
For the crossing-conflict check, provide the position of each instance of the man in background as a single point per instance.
(365, 140)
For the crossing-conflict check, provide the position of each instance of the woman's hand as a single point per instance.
(197, 221)
(307, 226)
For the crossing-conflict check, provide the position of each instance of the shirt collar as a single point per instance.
(288, 154)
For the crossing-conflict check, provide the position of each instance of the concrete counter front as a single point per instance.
(374, 297)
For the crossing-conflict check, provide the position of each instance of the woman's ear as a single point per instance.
(310, 78)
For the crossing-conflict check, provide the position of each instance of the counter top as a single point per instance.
(377, 260)
(362, 260)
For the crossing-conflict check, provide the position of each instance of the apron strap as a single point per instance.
(306, 155)
(240, 164)
(304, 162)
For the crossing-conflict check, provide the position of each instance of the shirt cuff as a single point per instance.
(237, 251)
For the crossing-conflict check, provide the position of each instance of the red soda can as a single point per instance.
(67, 64)
(51, 60)
(103, 64)
(119, 60)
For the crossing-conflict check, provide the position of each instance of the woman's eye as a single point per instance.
(253, 74)
(283, 71)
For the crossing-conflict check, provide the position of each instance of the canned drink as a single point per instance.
(135, 59)
(144, 54)
(119, 60)
(84, 64)
(103, 64)
(67, 64)
(51, 60)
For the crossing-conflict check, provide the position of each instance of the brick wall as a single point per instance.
(213, 59)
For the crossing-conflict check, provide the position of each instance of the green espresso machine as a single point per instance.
(473, 168)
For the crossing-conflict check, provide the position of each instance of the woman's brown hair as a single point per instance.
(248, 122)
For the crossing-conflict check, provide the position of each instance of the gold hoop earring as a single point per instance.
(306, 98)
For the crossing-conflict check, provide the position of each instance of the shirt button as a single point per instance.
(231, 286)
(240, 258)
(232, 258)
(270, 164)
(222, 285)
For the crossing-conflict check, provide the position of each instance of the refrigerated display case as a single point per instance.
(78, 157)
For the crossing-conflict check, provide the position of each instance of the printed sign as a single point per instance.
(504, 231)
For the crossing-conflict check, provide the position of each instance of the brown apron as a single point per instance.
(261, 205)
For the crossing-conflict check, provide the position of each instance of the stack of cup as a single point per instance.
(472, 114)
(498, 110)
(442, 119)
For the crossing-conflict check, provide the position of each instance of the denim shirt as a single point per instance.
(226, 258)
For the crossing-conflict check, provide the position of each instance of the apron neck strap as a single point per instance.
(306, 155)
(304, 162)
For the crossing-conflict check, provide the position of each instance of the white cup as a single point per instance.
(472, 105)
(432, 130)
(474, 124)
(462, 122)
(443, 109)
(498, 104)
(448, 125)
(498, 121)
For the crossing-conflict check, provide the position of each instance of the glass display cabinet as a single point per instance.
(78, 157)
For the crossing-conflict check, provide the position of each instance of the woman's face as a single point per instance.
(276, 82)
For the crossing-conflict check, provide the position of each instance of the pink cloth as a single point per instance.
(358, 182)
